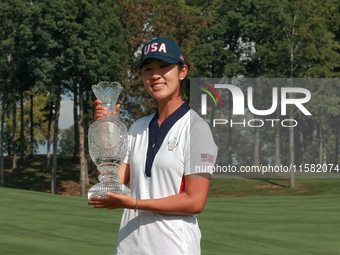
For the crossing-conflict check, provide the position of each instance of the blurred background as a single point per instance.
(52, 52)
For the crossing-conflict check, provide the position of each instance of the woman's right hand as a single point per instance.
(102, 110)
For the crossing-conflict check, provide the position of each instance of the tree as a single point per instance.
(97, 50)
(221, 52)
(72, 44)
(291, 40)
(10, 18)
(66, 144)
(143, 21)
(43, 35)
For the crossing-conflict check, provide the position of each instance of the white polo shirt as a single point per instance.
(159, 158)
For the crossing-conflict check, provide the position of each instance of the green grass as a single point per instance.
(242, 216)
(271, 225)
(231, 187)
(40, 223)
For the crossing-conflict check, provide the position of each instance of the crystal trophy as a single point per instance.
(108, 143)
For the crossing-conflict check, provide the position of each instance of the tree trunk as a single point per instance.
(277, 161)
(48, 153)
(314, 140)
(14, 135)
(257, 137)
(291, 139)
(2, 179)
(86, 137)
(32, 126)
(55, 141)
(320, 145)
(22, 128)
(291, 114)
(336, 147)
(87, 123)
(230, 130)
(82, 157)
(76, 128)
(291, 152)
(302, 148)
(292, 49)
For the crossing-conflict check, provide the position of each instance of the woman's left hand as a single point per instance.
(113, 201)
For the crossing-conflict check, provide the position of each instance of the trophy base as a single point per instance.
(99, 190)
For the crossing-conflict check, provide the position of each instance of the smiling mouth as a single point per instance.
(158, 85)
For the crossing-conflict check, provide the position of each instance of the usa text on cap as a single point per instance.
(164, 49)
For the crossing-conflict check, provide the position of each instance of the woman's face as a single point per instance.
(162, 80)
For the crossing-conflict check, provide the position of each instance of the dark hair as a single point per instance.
(180, 66)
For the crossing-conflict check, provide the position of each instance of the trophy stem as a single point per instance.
(108, 182)
(108, 172)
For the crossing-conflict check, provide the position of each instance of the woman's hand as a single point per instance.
(191, 201)
(102, 110)
(114, 201)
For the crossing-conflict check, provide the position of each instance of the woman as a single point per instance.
(164, 148)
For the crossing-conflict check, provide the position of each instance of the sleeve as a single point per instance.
(200, 150)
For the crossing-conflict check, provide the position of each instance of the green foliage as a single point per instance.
(73, 44)
(291, 38)
(220, 51)
(143, 21)
(66, 143)
(40, 123)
